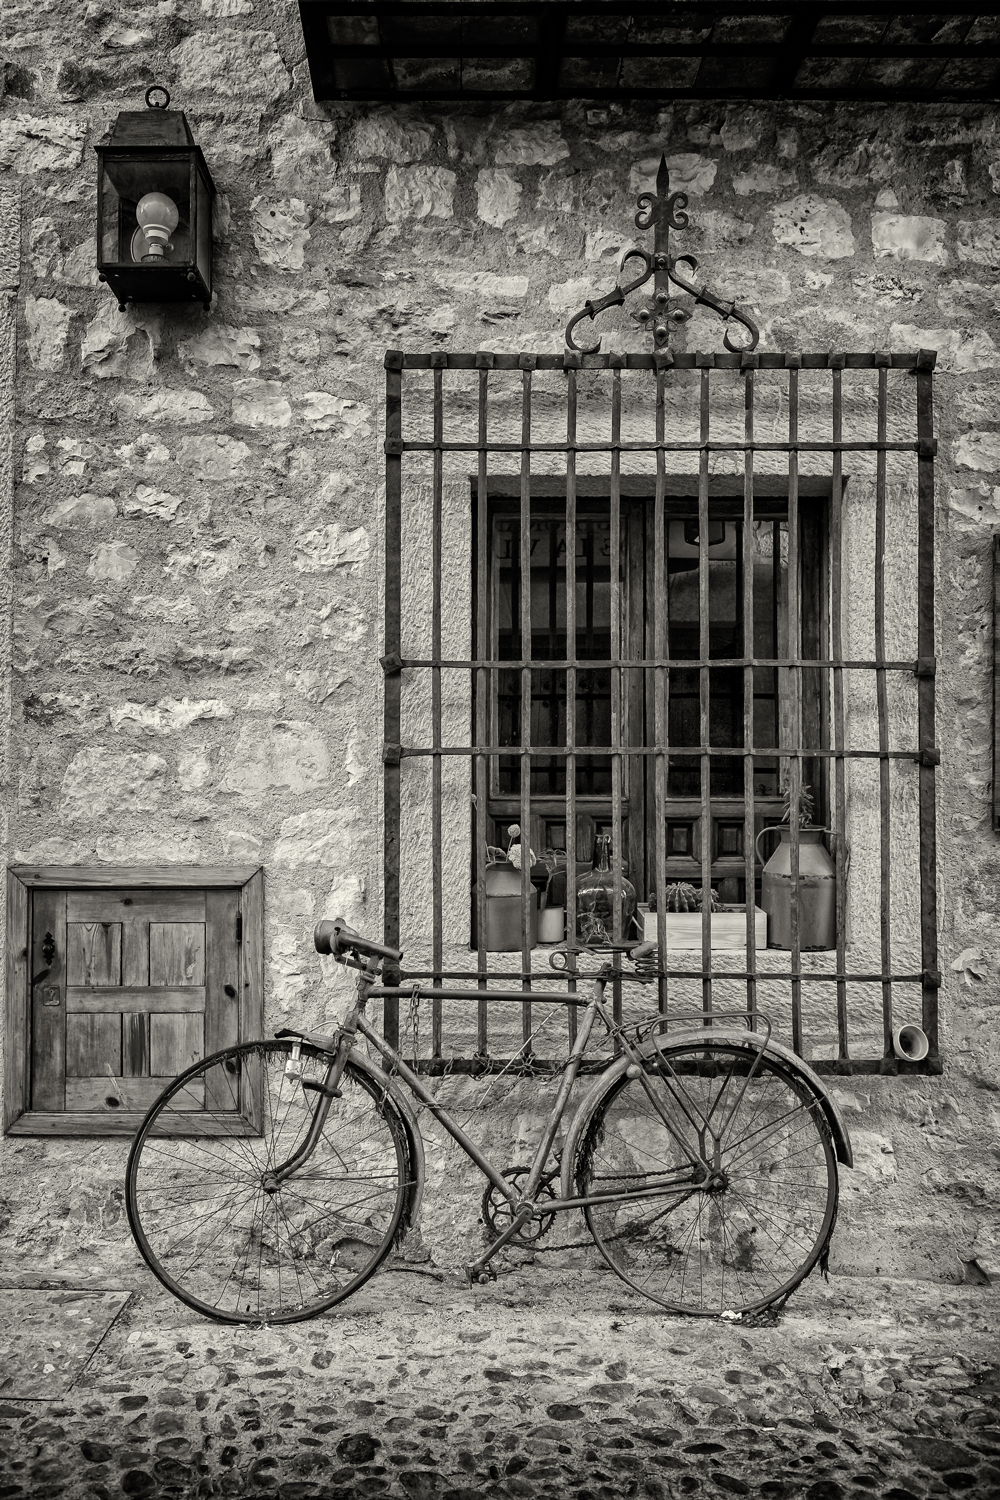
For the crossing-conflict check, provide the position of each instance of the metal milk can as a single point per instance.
(817, 891)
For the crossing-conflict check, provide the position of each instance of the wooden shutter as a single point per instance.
(125, 985)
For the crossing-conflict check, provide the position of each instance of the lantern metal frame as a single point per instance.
(141, 139)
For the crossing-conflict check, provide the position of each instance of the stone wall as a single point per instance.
(198, 544)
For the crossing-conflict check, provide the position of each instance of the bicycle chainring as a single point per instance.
(497, 1212)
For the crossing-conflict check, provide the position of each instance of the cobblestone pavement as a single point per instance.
(544, 1384)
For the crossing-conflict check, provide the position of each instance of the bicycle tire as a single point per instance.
(736, 1241)
(235, 1250)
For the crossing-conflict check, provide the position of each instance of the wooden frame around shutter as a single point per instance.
(247, 880)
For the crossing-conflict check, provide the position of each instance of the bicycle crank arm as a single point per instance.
(477, 1269)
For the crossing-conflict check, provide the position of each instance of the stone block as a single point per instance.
(178, 407)
(113, 562)
(320, 835)
(689, 173)
(48, 322)
(540, 145)
(341, 204)
(81, 510)
(978, 450)
(99, 783)
(214, 456)
(281, 232)
(169, 716)
(419, 193)
(765, 178)
(743, 127)
(160, 505)
(301, 155)
(260, 403)
(329, 547)
(326, 413)
(814, 226)
(979, 240)
(960, 351)
(43, 246)
(115, 345)
(390, 134)
(232, 63)
(292, 756)
(909, 237)
(567, 297)
(220, 345)
(37, 143)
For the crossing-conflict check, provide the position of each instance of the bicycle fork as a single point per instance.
(326, 1091)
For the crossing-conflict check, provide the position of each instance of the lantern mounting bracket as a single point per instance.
(662, 211)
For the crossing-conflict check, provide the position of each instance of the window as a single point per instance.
(118, 980)
(769, 599)
(649, 596)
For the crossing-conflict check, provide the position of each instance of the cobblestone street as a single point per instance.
(546, 1383)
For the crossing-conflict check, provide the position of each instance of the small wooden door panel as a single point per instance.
(128, 989)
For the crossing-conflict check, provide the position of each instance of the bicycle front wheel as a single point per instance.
(216, 1227)
(724, 1175)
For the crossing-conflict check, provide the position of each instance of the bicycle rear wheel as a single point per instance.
(735, 1165)
(216, 1228)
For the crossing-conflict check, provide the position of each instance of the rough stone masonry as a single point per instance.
(196, 543)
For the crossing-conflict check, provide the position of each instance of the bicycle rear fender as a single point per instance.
(414, 1139)
(750, 1040)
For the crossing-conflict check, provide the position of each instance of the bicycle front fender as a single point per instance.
(751, 1041)
(414, 1139)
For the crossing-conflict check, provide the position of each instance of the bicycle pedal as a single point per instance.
(321, 1088)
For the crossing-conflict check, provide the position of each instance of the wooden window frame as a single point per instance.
(248, 880)
(771, 502)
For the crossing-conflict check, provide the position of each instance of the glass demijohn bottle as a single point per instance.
(595, 899)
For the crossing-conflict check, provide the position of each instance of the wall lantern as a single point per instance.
(154, 208)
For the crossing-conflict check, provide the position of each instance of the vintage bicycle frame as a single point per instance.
(702, 1173)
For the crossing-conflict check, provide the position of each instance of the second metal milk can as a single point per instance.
(817, 891)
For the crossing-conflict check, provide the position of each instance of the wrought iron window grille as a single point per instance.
(654, 452)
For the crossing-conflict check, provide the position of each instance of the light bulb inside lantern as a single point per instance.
(157, 217)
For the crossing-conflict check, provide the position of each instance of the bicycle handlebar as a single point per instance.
(337, 939)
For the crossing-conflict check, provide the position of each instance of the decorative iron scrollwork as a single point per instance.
(662, 211)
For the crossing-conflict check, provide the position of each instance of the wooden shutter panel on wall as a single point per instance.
(125, 985)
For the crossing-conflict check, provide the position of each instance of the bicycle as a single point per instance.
(704, 1161)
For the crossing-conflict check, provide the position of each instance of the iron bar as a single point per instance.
(678, 446)
(704, 694)
(486, 677)
(644, 361)
(615, 606)
(659, 589)
(572, 647)
(727, 752)
(391, 711)
(437, 825)
(839, 767)
(872, 664)
(807, 976)
(527, 891)
(885, 944)
(793, 723)
(925, 704)
(749, 729)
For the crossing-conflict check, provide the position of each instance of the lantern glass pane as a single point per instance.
(126, 181)
(203, 225)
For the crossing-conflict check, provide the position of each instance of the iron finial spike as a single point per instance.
(663, 178)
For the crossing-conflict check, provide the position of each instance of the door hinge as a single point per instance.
(239, 929)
